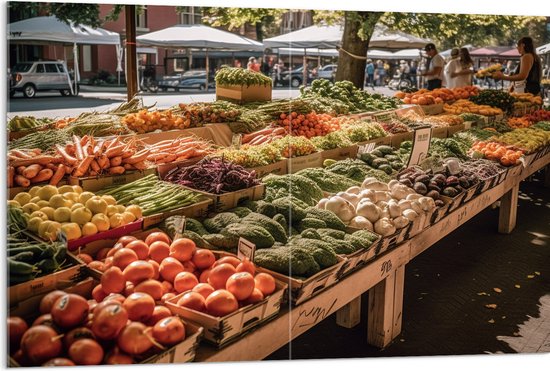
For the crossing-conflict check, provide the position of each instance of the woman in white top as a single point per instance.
(451, 66)
(462, 76)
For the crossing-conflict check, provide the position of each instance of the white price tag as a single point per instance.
(246, 249)
(236, 141)
(420, 146)
(180, 221)
(366, 148)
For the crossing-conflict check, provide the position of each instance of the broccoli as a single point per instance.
(341, 247)
(310, 233)
(292, 184)
(280, 218)
(198, 240)
(330, 218)
(240, 211)
(288, 261)
(266, 208)
(322, 252)
(259, 236)
(310, 223)
(221, 241)
(334, 233)
(366, 234)
(249, 204)
(220, 221)
(291, 206)
(359, 241)
(274, 228)
(328, 181)
(195, 226)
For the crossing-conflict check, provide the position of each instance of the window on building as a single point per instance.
(141, 17)
(86, 58)
(190, 15)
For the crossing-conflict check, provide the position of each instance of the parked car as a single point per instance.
(295, 77)
(170, 81)
(30, 77)
(326, 72)
(195, 79)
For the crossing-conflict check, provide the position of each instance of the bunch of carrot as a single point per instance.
(519, 122)
(179, 149)
(506, 155)
(266, 135)
(309, 125)
(90, 157)
(26, 167)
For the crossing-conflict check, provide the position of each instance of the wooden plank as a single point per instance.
(380, 317)
(349, 315)
(292, 322)
(398, 301)
(508, 211)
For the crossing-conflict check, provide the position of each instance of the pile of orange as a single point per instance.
(436, 96)
(506, 155)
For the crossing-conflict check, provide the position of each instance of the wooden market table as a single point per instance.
(383, 278)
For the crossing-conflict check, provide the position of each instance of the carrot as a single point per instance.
(42, 160)
(64, 153)
(137, 157)
(188, 152)
(20, 169)
(83, 166)
(36, 151)
(113, 143)
(68, 169)
(58, 175)
(43, 175)
(129, 167)
(103, 161)
(115, 151)
(51, 166)
(140, 165)
(21, 181)
(115, 161)
(19, 153)
(127, 154)
(98, 149)
(248, 137)
(31, 171)
(117, 170)
(84, 140)
(95, 166)
(93, 173)
(11, 174)
(70, 149)
(79, 152)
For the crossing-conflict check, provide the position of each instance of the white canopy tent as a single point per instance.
(198, 36)
(544, 49)
(48, 30)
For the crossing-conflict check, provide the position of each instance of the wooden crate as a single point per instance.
(197, 210)
(380, 141)
(40, 285)
(110, 234)
(389, 242)
(397, 139)
(241, 93)
(277, 168)
(359, 258)
(302, 290)
(93, 184)
(470, 193)
(439, 132)
(221, 331)
(182, 352)
(439, 213)
(226, 201)
(454, 202)
(296, 164)
(433, 109)
(340, 153)
(453, 129)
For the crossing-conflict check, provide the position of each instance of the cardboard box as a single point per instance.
(241, 93)
(296, 164)
(182, 352)
(302, 290)
(397, 139)
(433, 109)
(93, 184)
(40, 285)
(221, 331)
(440, 132)
(340, 153)
(197, 210)
(277, 168)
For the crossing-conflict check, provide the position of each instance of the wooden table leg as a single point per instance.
(385, 309)
(349, 315)
(508, 211)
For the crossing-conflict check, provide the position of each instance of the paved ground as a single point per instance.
(448, 287)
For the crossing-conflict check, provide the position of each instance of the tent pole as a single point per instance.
(131, 66)
(207, 68)
(76, 67)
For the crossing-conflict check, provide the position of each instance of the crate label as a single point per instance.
(246, 249)
(236, 141)
(366, 148)
(308, 317)
(420, 146)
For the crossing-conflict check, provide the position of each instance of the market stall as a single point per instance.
(240, 239)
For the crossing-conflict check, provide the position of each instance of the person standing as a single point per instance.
(370, 73)
(253, 65)
(462, 75)
(434, 73)
(528, 73)
(381, 72)
(414, 71)
(452, 65)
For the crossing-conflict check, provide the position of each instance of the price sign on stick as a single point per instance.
(421, 145)
(179, 221)
(245, 249)
(236, 141)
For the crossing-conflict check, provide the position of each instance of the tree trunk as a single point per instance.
(350, 68)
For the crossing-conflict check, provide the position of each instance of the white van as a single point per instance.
(30, 77)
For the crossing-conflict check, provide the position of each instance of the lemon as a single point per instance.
(72, 231)
(63, 214)
(77, 189)
(49, 211)
(36, 200)
(65, 189)
(30, 208)
(136, 210)
(101, 221)
(111, 209)
(85, 196)
(116, 220)
(109, 199)
(73, 196)
(34, 223)
(128, 217)
(43, 203)
(57, 201)
(48, 230)
(39, 214)
(23, 198)
(13, 203)
(47, 192)
(81, 216)
(34, 190)
(89, 229)
(76, 206)
(97, 205)
(121, 208)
